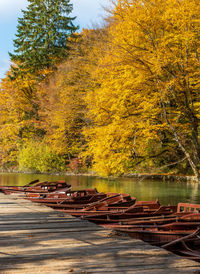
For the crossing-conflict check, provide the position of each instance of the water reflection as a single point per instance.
(166, 192)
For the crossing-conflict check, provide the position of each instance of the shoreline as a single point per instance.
(163, 177)
(140, 176)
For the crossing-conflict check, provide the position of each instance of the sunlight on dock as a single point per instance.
(37, 239)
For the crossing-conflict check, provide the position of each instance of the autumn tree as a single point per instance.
(42, 41)
(18, 115)
(149, 91)
(51, 114)
(62, 100)
(42, 34)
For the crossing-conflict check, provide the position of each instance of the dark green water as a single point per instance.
(166, 192)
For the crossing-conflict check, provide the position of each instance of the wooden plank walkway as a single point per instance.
(37, 239)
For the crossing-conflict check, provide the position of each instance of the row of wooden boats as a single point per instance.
(175, 228)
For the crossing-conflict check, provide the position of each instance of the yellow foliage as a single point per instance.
(19, 119)
(62, 104)
(151, 67)
(127, 93)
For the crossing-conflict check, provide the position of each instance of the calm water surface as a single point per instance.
(166, 192)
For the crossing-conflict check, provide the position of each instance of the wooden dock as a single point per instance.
(37, 239)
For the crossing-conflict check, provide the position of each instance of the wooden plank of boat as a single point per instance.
(32, 183)
(150, 204)
(103, 203)
(155, 237)
(185, 216)
(170, 226)
(188, 216)
(181, 239)
(186, 245)
(125, 204)
(154, 222)
(66, 206)
(80, 213)
(180, 226)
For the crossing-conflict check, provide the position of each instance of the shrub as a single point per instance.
(35, 156)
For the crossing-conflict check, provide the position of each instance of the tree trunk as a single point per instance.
(192, 163)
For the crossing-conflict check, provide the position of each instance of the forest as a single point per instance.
(117, 99)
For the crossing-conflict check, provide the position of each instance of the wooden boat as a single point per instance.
(68, 194)
(70, 198)
(157, 232)
(3, 188)
(84, 199)
(150, 220)
(131, 214)
(154, 236)
(166, 225)
(36, 187)
(103, 206)
(83, 205)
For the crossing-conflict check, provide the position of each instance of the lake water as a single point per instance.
(165, 192)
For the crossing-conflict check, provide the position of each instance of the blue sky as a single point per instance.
(88, 12)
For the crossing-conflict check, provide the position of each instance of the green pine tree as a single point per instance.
(42, 35)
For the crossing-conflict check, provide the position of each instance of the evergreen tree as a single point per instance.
(42, 34)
